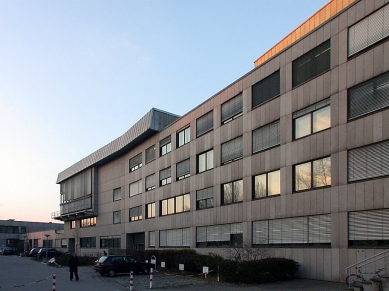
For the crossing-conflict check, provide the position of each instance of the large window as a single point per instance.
(369, 228)
(204, 198)
(87, 222)
(368, 162)
(204, 123)
(368, 31)
(176, 204)
(88, 242)
(117, 194)
(313, 174)
(117, 217)
(165, 177)
(368, 97)
(266, 137)
(266, 89)
(308, 230)
(150, 210)
(312, 64)
(232, 150)
(150, 154)
(136, 188)
(174, 237)
(183, 137)
(150, 182)
(232, 192)
(224, 235)
(183, 169)
(9, 229)
(312, 119)
(165, 146)
(205, 161)
(72, 225)
(232, 109)
(110, 242)
(267, 184)
(135, 213)
(136, 162)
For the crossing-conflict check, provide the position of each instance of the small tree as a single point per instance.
(247, 253)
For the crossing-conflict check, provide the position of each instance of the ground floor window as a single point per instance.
(111, 242)
(175, 237)
(88, 242)
(224, 235)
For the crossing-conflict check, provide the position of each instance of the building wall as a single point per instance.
(327, 263)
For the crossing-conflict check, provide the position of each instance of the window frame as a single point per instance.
(233, 194)
(267, 195)
(234, 108)
(266, 84)
(312, 175)
(165, 146)
(237, 152)
(147, 179)
(150, 154)
(186, 138)
(263, 134)
(132, 217)
(185, 174)
(167, 180)
(150, 207)
(171, 205)
(136, 164)
(206, 158)
(139, 184)
(206, 197)
(117, 217)
(204, 123)
(117, 194)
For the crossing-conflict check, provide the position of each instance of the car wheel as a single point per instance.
(111, 272)
(146, 270)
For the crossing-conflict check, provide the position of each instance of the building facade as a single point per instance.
(291, 157)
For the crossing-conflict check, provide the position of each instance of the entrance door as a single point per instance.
(135, 241)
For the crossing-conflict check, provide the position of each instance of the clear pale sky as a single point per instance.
(75, 75)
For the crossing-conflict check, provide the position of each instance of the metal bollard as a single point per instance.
(151, 278)
(131, 279)
(53, 282)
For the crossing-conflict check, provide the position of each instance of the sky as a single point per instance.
(75, 75)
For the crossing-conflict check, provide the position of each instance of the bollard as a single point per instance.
(53, 282)
(131, 279)
(151, 278)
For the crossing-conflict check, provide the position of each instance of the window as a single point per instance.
(312, 119)
(368, 31)
(176, 204)
(368, 97)
(87, 222)
(312, 64)
(135, 213)
(368, 162)
(110, 242)
(150, 154)
(165, 146)
(266, 137)
(117, 194)
(72, 224)
(183, 169)
(266, 89)
(136, 188)
(232, 150)
(204, 198)
(9, 229)
(183, 137)
(232, 109)
(152, 239)
(23, 229)
(266, 185)
(309, 230)
(174, 237)
(165, 177)
(232, 192)
(224, 235)
(313, 174)
(117, 217)
(136, 162)
(204, 123)
(150, 182)
(150, 210)
(88, 242)
(368, 228)
(205, 161)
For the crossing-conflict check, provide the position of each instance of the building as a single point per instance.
(292, 157)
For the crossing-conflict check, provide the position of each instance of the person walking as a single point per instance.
(73, 267)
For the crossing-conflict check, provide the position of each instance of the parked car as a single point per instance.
(50, 253)
(112, 265)
(2, 248)
(34, 252)
(8, 251)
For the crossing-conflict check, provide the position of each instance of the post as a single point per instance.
(53, 282)
(131, 279)
(151, 278)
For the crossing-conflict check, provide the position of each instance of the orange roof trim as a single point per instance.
(325, 13)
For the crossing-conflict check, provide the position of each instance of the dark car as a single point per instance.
(111, 265)
(8, 251)
(34, 252)
(50, 253)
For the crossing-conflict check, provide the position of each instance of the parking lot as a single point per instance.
(26, 274)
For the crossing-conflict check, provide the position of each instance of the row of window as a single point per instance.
(12, 229)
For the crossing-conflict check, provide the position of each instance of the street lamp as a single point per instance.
(47, 249)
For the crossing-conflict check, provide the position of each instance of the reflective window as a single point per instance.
(205, 161)
(267, 184)
(313, 174)
(232, 192)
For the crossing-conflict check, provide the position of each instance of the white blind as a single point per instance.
(136, 188)
(152, 238)
(232, 150)
(368, 225)
(232, 107)
(183, 168)
(266, 137)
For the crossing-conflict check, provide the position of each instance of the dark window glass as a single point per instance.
(136, 162)
(266, 89)
(150, 154)
(232, 192)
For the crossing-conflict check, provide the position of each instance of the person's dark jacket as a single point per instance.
(72, 264)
